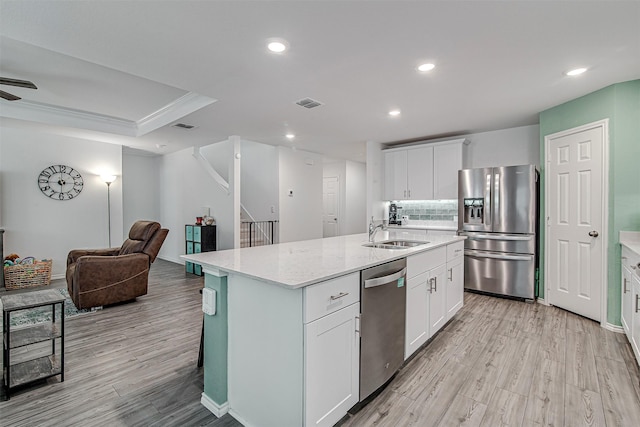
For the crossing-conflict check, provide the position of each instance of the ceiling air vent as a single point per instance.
(184, 126)
(309, 103)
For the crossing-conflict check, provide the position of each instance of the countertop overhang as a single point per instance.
(298, 264)
(631, 239)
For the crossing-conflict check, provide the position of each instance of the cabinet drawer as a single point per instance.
(188, 231)
(189, 247)
(455, 250)
(326, 297)
(419, 263)
(197, 234)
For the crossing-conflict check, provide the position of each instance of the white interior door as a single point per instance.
(330, 202)
(575, 196)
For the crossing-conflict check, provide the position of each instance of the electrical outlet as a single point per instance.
(273, 209)
(209, 301)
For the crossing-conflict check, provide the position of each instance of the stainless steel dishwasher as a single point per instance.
(382, 324)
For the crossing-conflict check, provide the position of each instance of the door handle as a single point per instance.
(431, 285)
(637, 296)
(593, 233)
(451, 274)
(625, 286)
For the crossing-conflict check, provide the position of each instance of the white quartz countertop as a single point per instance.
(631, 239)
(297, 264)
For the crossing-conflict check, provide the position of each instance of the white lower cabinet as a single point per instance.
(437, 299)
(426, 307)
(293, 356)
(630, 301)
(626, 311)
(417, 317)
(455, 279)
(635, 318)
(332, 360)
(435, 292)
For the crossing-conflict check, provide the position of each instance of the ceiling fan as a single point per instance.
(14, 82)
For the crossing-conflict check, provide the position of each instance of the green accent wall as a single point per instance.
(216, 342)
(620, 103)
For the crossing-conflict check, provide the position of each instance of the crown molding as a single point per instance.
(63, 116)
(186, 104)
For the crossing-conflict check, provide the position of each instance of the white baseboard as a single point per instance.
(613, 328)
(213, 407)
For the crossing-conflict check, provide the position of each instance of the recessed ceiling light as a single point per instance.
(576, 72)
(290, 136)
(394, 113)
(426, 67)
(277, 45)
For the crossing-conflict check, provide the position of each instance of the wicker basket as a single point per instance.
(27, 275)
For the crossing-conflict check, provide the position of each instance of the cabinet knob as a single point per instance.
(593, 233)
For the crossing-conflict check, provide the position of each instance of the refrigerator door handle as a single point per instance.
(480, 254)
(492, 237)
(487, 201)
(496, 199)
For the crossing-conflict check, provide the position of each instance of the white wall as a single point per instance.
(301, 214)
(185, 188)
(140, 189)
(259, 180)
(338, 169)
(506, 147)
(44, 228)
(376, 206)
(356, 198)
(352, 209)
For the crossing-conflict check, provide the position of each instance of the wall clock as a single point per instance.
(60, 182)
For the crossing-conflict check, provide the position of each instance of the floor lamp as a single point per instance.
(108, 179)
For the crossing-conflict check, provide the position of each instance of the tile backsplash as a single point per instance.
(428, 210)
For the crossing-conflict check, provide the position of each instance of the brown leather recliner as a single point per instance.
(107, 276)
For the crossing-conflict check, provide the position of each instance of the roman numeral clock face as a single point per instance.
(60, 182)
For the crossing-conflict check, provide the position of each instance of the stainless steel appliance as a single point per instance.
(393, 214)
(497, 211)
(382, 305)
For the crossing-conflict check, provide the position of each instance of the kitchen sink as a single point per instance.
(395, 244)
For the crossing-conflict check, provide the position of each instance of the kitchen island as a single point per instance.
(282, 348)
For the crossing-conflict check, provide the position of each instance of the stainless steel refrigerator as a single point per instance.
(497, 211)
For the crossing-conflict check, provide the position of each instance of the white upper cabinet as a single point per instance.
(423, 172)
(395, 175)
(420, 174)
(447, 162)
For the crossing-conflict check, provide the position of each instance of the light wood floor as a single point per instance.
(508, 363)
(498, 362)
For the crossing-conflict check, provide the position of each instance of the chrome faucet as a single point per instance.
(373, 229)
